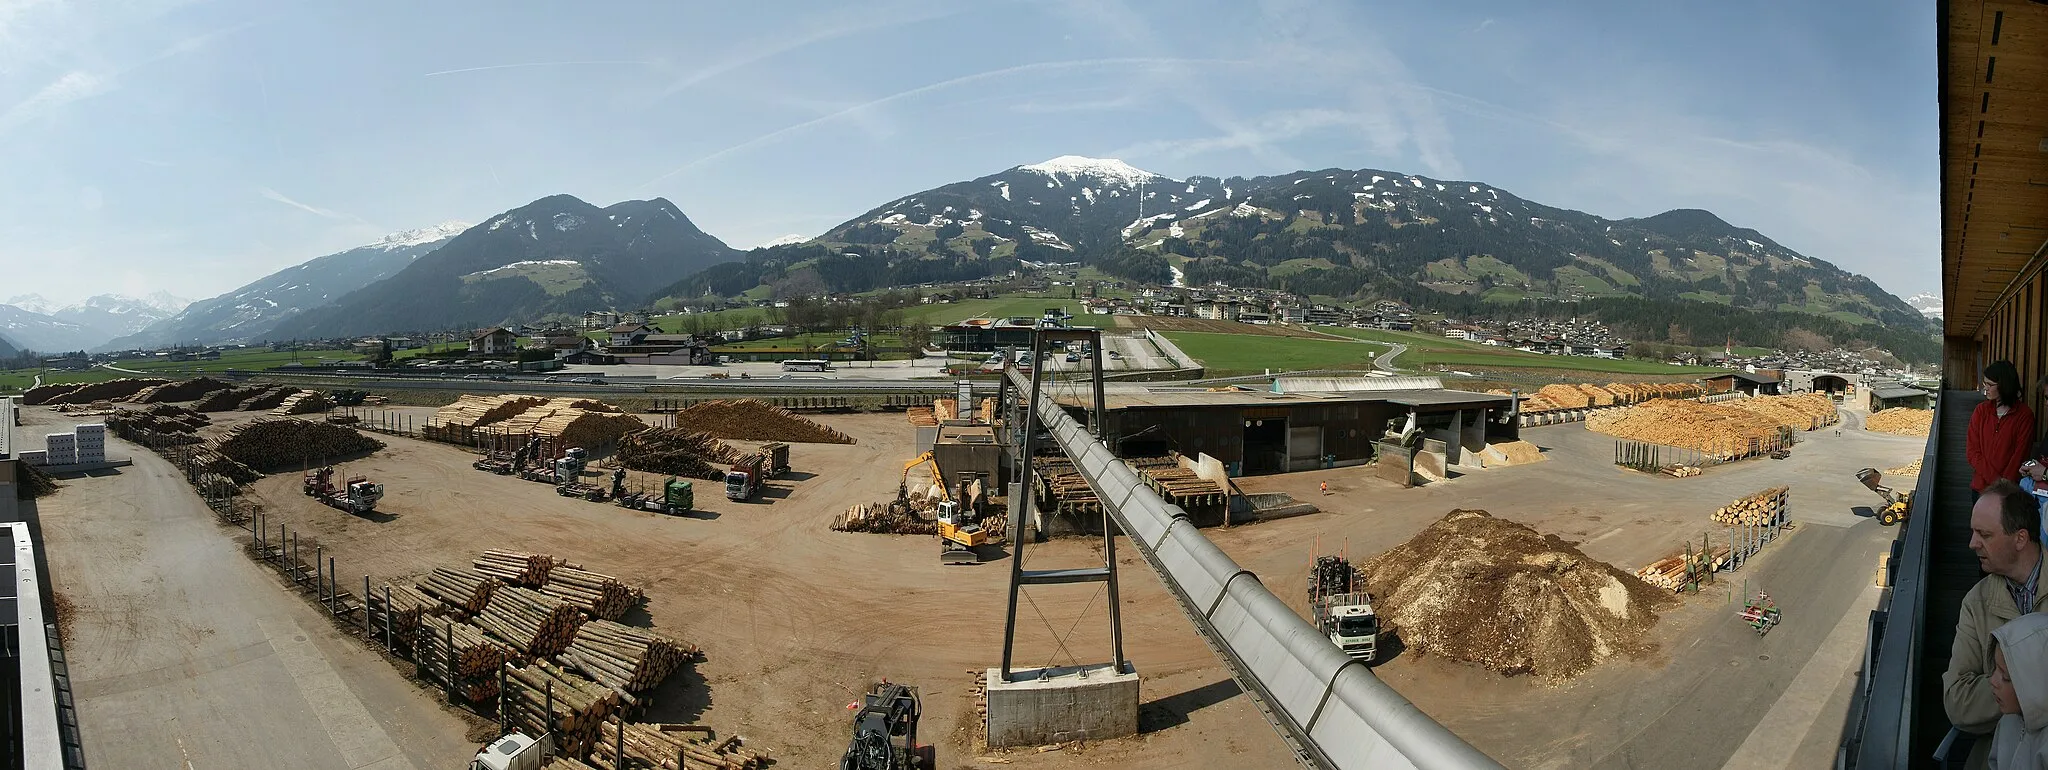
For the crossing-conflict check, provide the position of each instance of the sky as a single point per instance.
(191, 147)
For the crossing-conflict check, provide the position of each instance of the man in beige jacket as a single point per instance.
(2005, 528)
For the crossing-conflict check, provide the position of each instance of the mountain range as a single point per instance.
(32, 322)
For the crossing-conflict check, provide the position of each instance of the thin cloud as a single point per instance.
(71, 87)
(490, 67)
(868, 20)
(779, 134)
(314, 210)
(1097, 105)
(1272, 129)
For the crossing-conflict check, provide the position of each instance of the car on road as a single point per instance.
(552, 379)
(472, 376)
(598, 381)
(1115, 355)
(500, 378)
(580, 380)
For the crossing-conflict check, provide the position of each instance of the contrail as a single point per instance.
(919, 91)
(532, 64)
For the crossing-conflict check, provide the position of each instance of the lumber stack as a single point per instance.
(476, 658)
(885, 518)
(580, 705)
(670, 747)
(303, 402)
(516, 567)
(1565, 396)
(269, 444)
(1753, 510)
(631, 659)
(188, 390)
(676, 452)
(601, 596)
(533, 622)
(269, 398)
(753, 420)
(1596, 395)
(408, 605)
(467, 591)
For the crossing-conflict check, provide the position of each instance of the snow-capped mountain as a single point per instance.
(106, 316)
(787, 240)
(34, 303)
(252, 311)
(1928, 304)
(41, 332)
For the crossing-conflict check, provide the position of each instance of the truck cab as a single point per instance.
(515, 751)
(1353, 626)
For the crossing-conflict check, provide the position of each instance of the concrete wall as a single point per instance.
(1067, 706)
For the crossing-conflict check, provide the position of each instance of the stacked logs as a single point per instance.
(476, 657)
(270, 444)
(407, 606)
(676, 452)
(885, 518)
(631, 659)
(1754, 510)
(205, 460)
(752, 420)
(580, 705)
(111, 390)
(188, 390)
(1670, 573)
(303, 402)
(670, 747)
(469, 592)
(227, 400)
(602, 596)
(533, 622)
(566, 763)
(268, 398)
(516, 567)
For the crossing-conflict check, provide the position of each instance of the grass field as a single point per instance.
(18, 380)
(243, 359)
(1225, 355)
(1426, 349)
(818, 340)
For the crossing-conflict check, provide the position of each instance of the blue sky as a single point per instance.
(194, 146)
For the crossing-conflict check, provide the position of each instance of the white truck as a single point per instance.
(515, 751)
(1341, 609)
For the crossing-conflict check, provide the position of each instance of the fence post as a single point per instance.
(366, 605)
(387, 620)
(448, 655)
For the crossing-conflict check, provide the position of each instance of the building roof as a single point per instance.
(1991, 158)
(1760, 379)
(1896, 391)
(491, 331)
(627, 328)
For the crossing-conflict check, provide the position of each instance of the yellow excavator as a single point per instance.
(960, 532)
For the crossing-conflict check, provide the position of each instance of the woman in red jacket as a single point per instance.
(2001, 428)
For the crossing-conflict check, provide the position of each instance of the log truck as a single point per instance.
(357, 495)
(1342, 610)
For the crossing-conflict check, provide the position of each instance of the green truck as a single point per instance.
(676, 496)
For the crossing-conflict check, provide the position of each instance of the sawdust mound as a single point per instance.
(1909, 469)
(1901, 420)
(676, 452)
(1517, 452)
(185, 390)
(34, 483)
(272, 444)
(1500, 595)
(750, 420)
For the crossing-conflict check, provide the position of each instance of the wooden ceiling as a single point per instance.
(1994, 153)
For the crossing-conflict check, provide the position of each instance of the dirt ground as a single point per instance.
(797, 619)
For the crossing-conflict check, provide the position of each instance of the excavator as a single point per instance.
(960, 533)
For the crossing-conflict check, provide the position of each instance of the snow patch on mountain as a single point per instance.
(787, 240)
(34, 303)
(520, 264)
(1928, 304)
(1105, 169)
(409, 238)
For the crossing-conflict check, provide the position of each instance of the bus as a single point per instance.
(807, 365)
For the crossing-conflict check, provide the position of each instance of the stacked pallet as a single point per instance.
(269, 444)
(752, 420)
(467, 591)
(630, 659)
(1565, 396)
(1909, 469)
(303, 402)
(408, 605)
(533, 622)
(1754, 510)
(922, 416)
(516, 567)
(676, 452)
(188, 390)
(580, 705)
(601, 596)
(269, 398)
(886, 518)
(476, 657)
(670, 747)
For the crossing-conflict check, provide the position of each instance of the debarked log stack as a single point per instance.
(621, 656)
(465, 590)
(670, 747)
(516, 567)
(602, 596)
(476, 658)
(1754, 510)
(533, 622)
(407, 606)
(580, 705)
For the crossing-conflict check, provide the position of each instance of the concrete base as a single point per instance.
(1072, 703)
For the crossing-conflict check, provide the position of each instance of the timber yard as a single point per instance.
(352, 572)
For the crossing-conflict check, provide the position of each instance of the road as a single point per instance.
(186, 654)
(1385, 361)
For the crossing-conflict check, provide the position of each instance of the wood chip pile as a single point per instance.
(681, 747)
(111, 390)
(186, 390)
(271, 444)
(532, 622)
(1753, 510)
(751, 420)
(303, 402)
(631, 659)
(34, 483)
(477, 656)
(601, 596)
(883, 518)
(1502, 596)
(466, 591)
(1909, 469)
(516, 567)
(580, 704)
(270, 398)
(1902, 421)
(676, 452)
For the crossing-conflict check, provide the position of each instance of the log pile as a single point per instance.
(227, 400)
(1565, 396)
(111, 390)
(408, 606)
(752, 420)
(631, 659)
(477, 657)
(670, 747)
(1712, 428)
(676, 452)
(269, 398)
(884, 518)
(465, 590)
(303, 402)
(41, 394)
(269, 444)
(516, 567)
(533, 622)
(1903, 421)
(588, 427)
(601, 596)
(567, 763)
(1754, 510)
(215, 485)
(208, 461)
(1670, 573)
(187, 390)
(580, 705)
(458, 422)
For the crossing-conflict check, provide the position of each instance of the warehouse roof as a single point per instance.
(1761, 379)
(1896, 391)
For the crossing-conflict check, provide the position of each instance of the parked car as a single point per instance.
(598, 381)
(472, 376)
(580, 380)
(553, 379)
